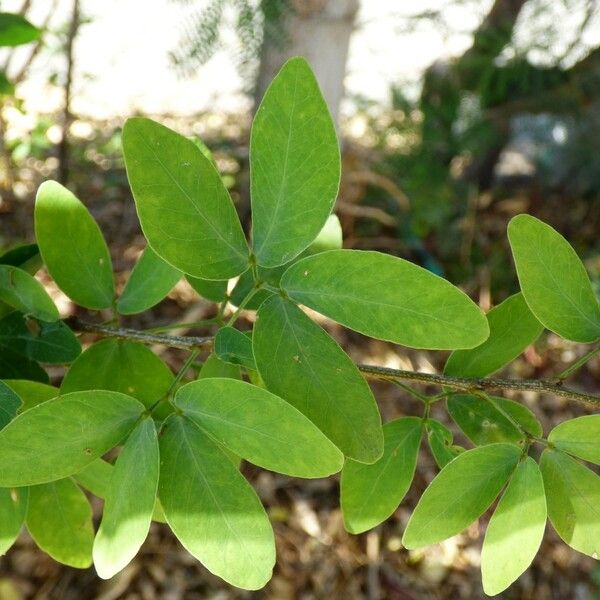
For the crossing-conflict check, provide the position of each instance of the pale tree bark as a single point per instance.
(319, 30)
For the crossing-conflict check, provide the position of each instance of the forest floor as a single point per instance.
(317, 559)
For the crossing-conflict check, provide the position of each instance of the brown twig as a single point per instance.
(371, 371)
(187, 342)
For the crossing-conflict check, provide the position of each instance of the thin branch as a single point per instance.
(24, 68)
(372, 371)
(187, 342)
(474, 385)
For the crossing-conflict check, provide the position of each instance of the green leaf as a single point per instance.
(579, 437)
(72, 247)
(9, 404)
(512, 328)
(13, 508)
(95, 477)
(301, 363)
(554, 281)
(59, 519)
(38, 340)
(260, 427)
(212, 509)
(61, 436)
(26, 256)
(31, 393)
(215, 367)
(129, 502)
(19, 289)
(53, 343)
(518, 413)
(294, 165)
(16, 30)
(440, 440)
(16, 366)
(243, 287)
(387, 298)
(120, 366)
(460, 494)
(516, 529)
(211, 290)
(185, 211)
(371, 493)
(7, 87)
(482, 421)
(235, 347)
(329, 238)
(149, 282)
(573, 496)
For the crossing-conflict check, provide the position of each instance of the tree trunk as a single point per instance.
(445, 82)
(320, 31)
(67, 117)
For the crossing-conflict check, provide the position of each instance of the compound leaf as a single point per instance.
(460, 494)
(212, 509)
(130, 501)
(149, 282)
(185, 211)
(573, 496)
(61, 436)
(59, 519)
(371, 493)
(72, 247)
(512, 328)
(554, 281)
(516, 529)
(260, 427)
(301, 363)
(387, 298)
(294, 165)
